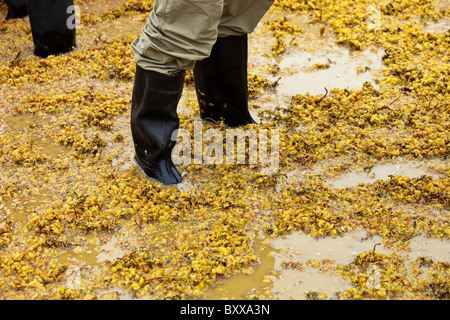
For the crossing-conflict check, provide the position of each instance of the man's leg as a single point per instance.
(178, 32)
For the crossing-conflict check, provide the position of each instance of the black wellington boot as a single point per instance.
(51, 26)
(16, 9)
(153, 120)
(221, 83)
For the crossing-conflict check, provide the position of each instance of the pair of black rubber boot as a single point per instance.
(221, 88)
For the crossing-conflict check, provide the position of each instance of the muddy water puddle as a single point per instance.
(272, 279)
(98, 248)
(17, 124)
(435, 249)
(316, 64)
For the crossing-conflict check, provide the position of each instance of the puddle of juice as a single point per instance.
(442, 25)
(382, 171)
(343, 69)
(273, 281)
(268, 278)
(435, 249)
(33, 127)
(299, 247)
(20, 206)
(342, 250)
(97, 6)
(118, 29)
(95, 249)
(294, 285)
(239, 286)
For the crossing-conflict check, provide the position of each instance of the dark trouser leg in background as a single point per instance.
(221, 82)
(16, 9)
(49, 26)
(153, 120)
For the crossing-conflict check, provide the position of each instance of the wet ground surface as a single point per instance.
(88, 214)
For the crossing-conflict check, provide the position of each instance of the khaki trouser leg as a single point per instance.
(241, 17)
(180, 32)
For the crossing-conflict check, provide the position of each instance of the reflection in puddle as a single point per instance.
(330, 68)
